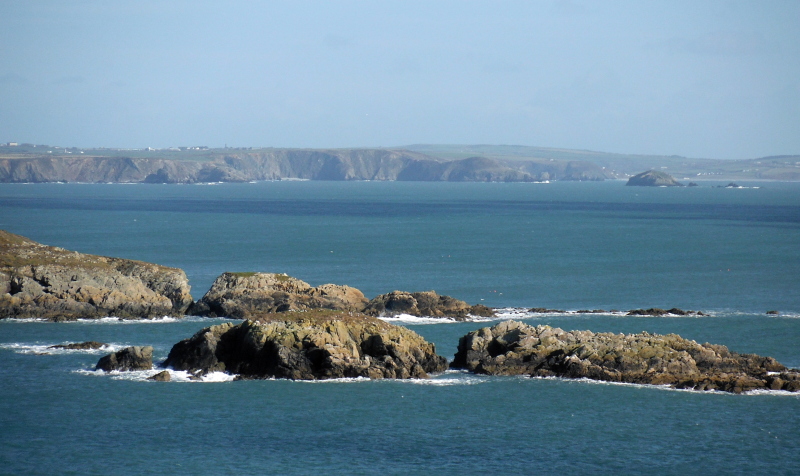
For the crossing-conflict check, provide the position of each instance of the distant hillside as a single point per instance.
(48, 164)
(784, 167)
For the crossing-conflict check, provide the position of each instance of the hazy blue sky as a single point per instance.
(702, 79)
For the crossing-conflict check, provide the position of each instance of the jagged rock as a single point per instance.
(242, 295)
(653, 178)
(129, 358)
(544, 310)
(515, 348)
(658, 312)
(89, 345)
(52, 283)
(426, 303)
(308, 346)
(162, 376)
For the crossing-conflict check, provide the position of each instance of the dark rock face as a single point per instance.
(658, 312)
(308, 346)
(243, 295)
(52, 283)
(89, 345)
(129, 358)
(426, 303)
(515, 348)
(653, 178)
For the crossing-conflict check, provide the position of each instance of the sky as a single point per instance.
(712, 79)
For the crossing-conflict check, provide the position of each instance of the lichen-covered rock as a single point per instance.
(654, 178)
(52, 283)
(308, 346)
(242, 295)
(515, 348)
(127, 359)
(427, 303)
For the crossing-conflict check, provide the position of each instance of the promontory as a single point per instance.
(39, 281)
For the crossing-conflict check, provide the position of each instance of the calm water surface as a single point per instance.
(731, 253)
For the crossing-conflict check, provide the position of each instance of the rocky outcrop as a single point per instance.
(89, 345)
(427, 304)
(243, 295)
(38, 281)
(163, 376)
(658, 312)
(127, 359)
(308, 346)
(653, 178)
(515, 348)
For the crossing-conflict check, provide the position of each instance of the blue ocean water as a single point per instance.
(732, 253)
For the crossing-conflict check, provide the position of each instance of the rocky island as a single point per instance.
(39, 281)
(243, 295)
(515, 348)
(654, 178)
(308, 346)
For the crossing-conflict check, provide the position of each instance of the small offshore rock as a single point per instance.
(653, 178)
(308, 346)
(773, 313)
(515, 348)
(127, 359)
(424, 304)
(89, 345)
(544, 310)
(163, 376)
(658, 312)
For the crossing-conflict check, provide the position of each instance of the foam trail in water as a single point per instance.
(144, 375)
(44, 349)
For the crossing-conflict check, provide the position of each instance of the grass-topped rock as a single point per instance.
(308, 345)
(515, 348)
(654, 178)
(39, 281)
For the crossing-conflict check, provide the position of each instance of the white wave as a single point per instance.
(409, 319)
(144, 375)
(44, 349)
(451, 378)
(667, 387)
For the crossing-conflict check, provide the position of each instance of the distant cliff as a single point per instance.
(277, 164)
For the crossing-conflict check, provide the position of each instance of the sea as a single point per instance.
(732, 253)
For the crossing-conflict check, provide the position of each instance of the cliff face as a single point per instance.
(308, 346)
(276, 164)
(515, 348)
(38, 281)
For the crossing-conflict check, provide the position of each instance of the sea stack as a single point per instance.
(38, 281)
(653, 178)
